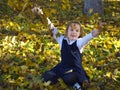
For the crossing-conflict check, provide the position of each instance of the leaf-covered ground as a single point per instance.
(27, 48)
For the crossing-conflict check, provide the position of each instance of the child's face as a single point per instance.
(73, 31)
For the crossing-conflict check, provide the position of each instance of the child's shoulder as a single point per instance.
(79, 39)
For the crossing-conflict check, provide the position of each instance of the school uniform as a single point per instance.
(71, 61)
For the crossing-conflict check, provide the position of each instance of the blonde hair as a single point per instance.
(74, 22)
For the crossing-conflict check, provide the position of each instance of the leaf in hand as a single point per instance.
(101, 26)
(37, 10)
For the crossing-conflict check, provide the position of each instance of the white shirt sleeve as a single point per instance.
(55, 32)
(81, 42)
(57, 38)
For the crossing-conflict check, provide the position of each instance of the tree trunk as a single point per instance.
(93, 6)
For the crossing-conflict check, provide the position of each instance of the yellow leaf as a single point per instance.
(63, 7)
(20, 79)
(11, 81)
(109, 74)
(101, 62)
(90, 10)
(53, 11)
(115, 77)
(47, 83)
(8, 76)
(11, 23)
(91, 52)
(109, 46)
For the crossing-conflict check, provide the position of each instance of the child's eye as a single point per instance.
(77, 30)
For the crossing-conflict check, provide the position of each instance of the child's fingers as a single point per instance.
(101, 26)
(37, 10)
(34, 9)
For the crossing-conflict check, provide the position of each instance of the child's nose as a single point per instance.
(74, 31)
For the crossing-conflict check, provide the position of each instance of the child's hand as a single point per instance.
(37, 10)
(101, 26)
(45, 19)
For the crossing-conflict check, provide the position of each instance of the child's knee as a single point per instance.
(50, 76)
(70, 79)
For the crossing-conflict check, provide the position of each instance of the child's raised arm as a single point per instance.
(46, 20)
(83, 41)
(51, 26)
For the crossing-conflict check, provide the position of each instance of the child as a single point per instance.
(70, 68)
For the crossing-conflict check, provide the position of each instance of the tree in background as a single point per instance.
(94, 6)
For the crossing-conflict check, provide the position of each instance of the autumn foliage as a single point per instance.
(27, 48)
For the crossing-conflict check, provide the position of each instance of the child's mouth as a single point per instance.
(73, 36)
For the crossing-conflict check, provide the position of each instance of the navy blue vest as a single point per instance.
(71, 59)
(70, 55)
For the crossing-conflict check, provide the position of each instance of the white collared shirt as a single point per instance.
(81, 42)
